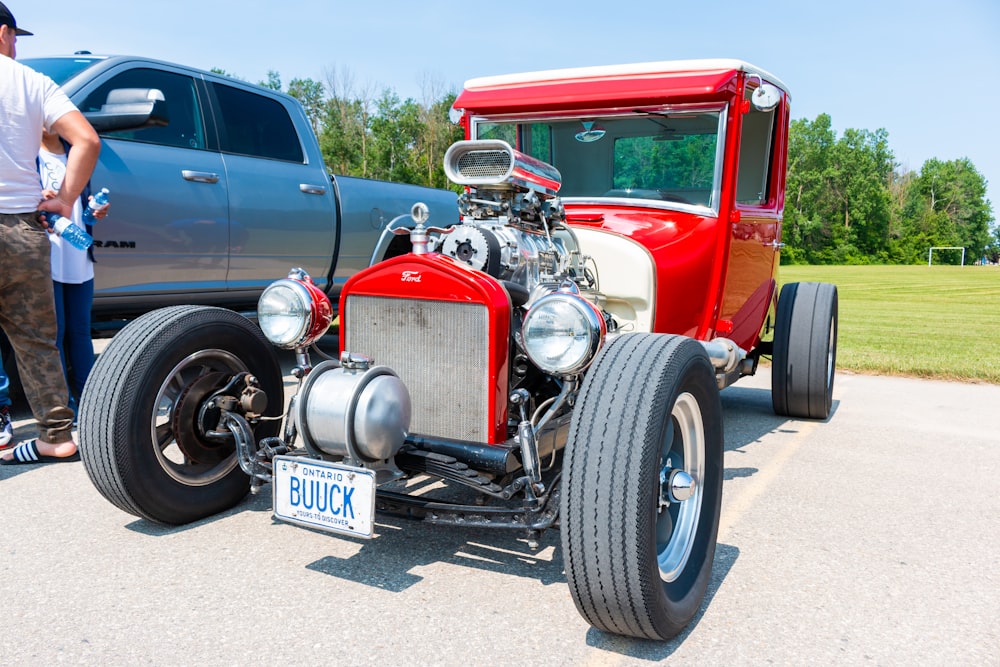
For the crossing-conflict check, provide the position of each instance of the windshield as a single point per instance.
(60, 70)
(662, 155)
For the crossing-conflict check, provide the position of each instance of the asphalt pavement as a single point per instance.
(872, 538)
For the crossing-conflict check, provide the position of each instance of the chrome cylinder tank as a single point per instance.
(353, 410)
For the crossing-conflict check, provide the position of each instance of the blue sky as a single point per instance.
(926, 71)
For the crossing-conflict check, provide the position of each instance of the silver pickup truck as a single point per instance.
(218, 187)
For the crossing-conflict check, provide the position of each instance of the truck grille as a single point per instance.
(440, 349)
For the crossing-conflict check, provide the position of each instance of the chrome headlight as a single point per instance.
(562, 333)
(293, 312)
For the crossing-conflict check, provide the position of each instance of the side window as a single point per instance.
(756, 145)
(186, 128)
(255, 125)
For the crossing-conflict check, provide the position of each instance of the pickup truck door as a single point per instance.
(282, 207)
(167, 231)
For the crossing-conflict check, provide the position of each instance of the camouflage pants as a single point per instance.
(28, 317)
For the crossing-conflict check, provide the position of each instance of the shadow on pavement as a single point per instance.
(401, 545)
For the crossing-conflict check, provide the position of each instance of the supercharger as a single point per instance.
(512, 221)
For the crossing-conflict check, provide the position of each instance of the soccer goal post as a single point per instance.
(930, 253)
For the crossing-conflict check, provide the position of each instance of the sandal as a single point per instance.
(27, 453)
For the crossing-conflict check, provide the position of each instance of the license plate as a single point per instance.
(324, 495)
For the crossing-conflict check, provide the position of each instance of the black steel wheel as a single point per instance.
(804, 361)
(642, 486)
(144, 413)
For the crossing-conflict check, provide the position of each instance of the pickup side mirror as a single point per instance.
(130, 109)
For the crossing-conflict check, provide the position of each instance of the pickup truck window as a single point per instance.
(255, 125)
(186, 128)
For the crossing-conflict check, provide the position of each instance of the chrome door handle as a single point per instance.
(199, 176)
(312, 189)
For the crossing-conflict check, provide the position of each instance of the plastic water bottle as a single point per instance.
(96, 202)
(73, 235)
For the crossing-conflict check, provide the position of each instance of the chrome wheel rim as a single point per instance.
(830, 355)
(682, 470)
(163, 430)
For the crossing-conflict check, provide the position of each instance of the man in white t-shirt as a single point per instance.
(29, 102)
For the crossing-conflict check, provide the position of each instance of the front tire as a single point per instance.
(142, 422)
(638, 543)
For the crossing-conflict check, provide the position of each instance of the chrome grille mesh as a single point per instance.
(440, 349)
(484, 164)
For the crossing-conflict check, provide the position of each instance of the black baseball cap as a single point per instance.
(6, 18)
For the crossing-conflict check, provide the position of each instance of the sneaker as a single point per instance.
(6, 427)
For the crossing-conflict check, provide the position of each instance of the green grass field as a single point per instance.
(923, 321)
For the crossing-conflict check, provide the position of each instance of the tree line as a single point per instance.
(847, 200)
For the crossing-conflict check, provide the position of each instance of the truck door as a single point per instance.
(282, 207)
(168, 227)
(755, 227)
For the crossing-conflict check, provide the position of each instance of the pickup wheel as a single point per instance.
(145, 416)
(642, 486)
(804, 359)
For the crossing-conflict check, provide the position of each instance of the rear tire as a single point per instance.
(805, 350)
(141, 425)
(638, 561)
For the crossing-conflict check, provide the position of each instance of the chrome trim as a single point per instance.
(199, 176)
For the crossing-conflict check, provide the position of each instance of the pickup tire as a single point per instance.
(144, 443)
(638, 560)
(804, 360)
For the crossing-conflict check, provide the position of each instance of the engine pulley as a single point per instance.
(476, 246)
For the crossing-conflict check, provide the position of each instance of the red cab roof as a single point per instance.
(637, 84)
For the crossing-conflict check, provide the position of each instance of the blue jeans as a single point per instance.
(73, 335)
(4, 386)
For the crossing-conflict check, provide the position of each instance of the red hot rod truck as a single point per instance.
(550, 357)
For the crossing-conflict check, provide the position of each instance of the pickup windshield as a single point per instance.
(60, 70)
(669, 156)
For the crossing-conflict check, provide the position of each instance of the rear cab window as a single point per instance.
(255, 125)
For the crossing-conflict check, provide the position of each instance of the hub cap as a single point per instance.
(682, 466)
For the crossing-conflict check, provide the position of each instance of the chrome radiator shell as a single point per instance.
(441, 352)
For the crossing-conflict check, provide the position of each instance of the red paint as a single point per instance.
(600, 92)
(321, 311)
